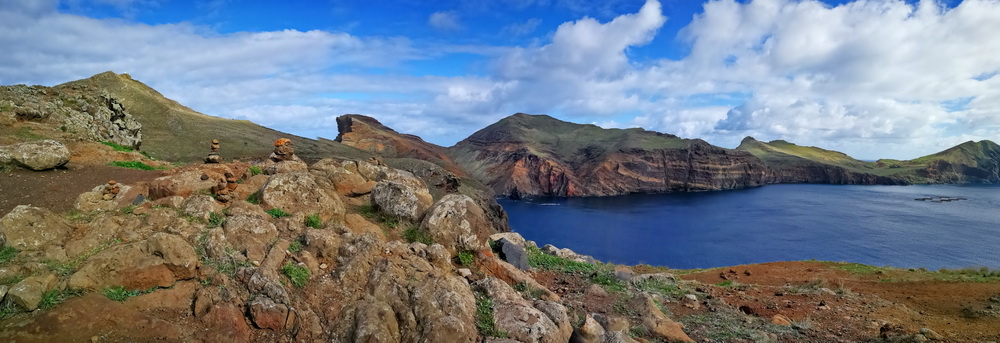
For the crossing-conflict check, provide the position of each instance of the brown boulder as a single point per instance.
(28, 293)
(298, 192)
(159, 261)
(226, 324)
(183, 184)
(267, 314)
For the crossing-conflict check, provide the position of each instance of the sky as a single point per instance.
(874, 79)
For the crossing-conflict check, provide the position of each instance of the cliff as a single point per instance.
(540, 155)
(790, 163)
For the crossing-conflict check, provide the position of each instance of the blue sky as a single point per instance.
(870, 78)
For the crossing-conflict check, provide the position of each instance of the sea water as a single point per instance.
(877, 225)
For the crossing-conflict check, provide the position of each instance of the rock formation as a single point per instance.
(35, 155)
(213, 156)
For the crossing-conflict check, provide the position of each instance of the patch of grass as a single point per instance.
(638, 331)
(77, 215)
(484, 317)
(662, 287)
(297, 274)
(215, 220)
(371, 213)
(981, 274)
(8, 253)
(227, 264)
(25, 132)
(119, 293)
(129, 209)
(131, 165)
(55, 297)
(314, 221)
(859, 269)
(68, 267)
(600, 274)
(146, 155)
(256, 170)
(465, 258)
(528, 292)
(117, 147)
(414, 234)
(296, 246)
(728, 326)
(277, 213)
(254, 198)
(10, 280)
(9, 309)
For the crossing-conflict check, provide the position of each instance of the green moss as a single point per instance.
(297, 274)
(277, 213)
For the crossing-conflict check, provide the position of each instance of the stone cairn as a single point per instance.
(111, 190)
(283, 150)
(225, 191)
(213, 157)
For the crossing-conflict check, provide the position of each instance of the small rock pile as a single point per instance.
(283, 150)
(111, 190)
(213, 157)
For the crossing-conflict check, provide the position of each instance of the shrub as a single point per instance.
(131, 165)
(296, 273)
(313, 221)
(277, 213)
(414, 234)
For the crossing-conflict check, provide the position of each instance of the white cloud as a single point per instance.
(444, 21)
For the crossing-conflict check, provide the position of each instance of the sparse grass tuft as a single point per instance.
(414, 234)
(7, 254)
(256, 170)
(129, 209)
(297, 274)
(117, 147)
(119, 293)
(601, 274)
(55, 297)
(215, 220)
(528, 292)
(254, 198)
(465, 258)
(484, 317)
(296, 246)
(131, 165)
(314, 221)
(277, 213)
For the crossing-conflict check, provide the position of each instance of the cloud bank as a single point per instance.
(871, 78)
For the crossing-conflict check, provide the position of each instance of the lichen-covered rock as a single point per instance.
(202, 206)
(243, 234)
(30, 228)
(522, 321)
(28, 293)
(339, 179)
(457, 222)
(37, 155)
(298, 192)
(402, 199)
(589, 332)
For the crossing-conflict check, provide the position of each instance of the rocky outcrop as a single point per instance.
(368, 134)
(31, 228)
(517, 158)
(457, 222)
(299, 193)
(541, 321)
(35, 155)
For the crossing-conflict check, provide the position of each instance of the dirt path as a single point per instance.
(57, 189)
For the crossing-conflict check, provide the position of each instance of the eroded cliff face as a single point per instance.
(506, 158)
(367, 133)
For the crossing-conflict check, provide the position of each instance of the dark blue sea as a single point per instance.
(877, 225)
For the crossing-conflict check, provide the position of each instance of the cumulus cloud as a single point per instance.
(444, 21)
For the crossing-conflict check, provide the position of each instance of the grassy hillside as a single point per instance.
(174, 132)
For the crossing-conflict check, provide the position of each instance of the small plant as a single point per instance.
(295, 247)
(484, 317)
(8, 309)
(465, 258)
(117, 147)
(313, 221)
(215, 219)
(55, 297)
(528, 292)
(367, 211)
(131, 165)
(7, 254)
(277, 213)
(256, 170)
(119, 293)
(297, 274)
(129, 209)
(254, 198)
(414, 234)
(726, 283)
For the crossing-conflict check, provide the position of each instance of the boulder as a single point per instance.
(341, 180)
(202, 206)
(31, 228)
(245, 234)
(226, 324)
(657, 323)
(94, 200)
(267, 314)
(39, 155)
(522, 321)
(29, 292)
(514, 254)
(182, 184)
(402, 199)
(299, 192)
(457, 222)
(589, 332)
(159, 261)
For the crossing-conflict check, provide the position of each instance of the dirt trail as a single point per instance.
(57, 189)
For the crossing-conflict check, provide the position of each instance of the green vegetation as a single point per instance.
(8, 309)
(314, 221)
(68, 267)
(528, 292)
(117, 147)
(414, 234)
(465, 258)
(119, 293)
(277, 213)
(7, 254)
(296, 245)
(129, 209)
(131, 165)
(730, 325)
(255, 170)
(601, 274)
(371, 213)
(484, 317)
(215, 219)
(297, 274)
(55, 297)
(254, 198)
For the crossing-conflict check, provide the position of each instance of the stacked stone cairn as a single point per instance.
(283, 150)
(111, 190)
(213, 157)
(225, 191)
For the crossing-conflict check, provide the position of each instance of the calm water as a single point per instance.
(878, 225)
